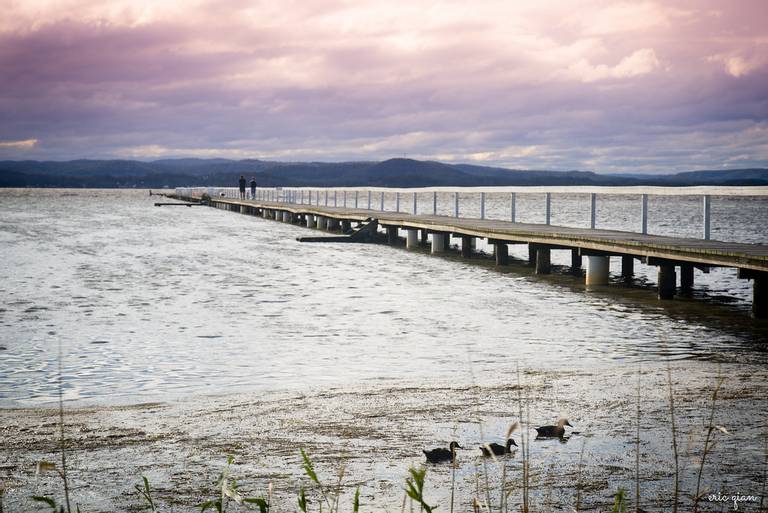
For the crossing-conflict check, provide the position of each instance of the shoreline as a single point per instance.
(379, 432)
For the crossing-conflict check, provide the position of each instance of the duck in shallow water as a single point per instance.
(556, 431)
(498, 450)
(441, 455)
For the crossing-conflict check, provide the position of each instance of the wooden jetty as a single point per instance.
(669, 254)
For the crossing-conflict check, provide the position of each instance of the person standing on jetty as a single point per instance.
(242, 187)
(253, 187)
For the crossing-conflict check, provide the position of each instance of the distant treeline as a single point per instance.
(389, 173)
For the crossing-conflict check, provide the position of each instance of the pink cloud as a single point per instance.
(338, 79)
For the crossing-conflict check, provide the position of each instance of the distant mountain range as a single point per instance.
(397, 172)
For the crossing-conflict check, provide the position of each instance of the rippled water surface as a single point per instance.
(162, 302)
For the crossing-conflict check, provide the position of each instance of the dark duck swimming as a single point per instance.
(556, 431)
(442, 455)
(498, 450)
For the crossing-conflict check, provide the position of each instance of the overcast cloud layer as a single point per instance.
(587, 84)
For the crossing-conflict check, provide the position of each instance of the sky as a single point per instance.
(606, 86)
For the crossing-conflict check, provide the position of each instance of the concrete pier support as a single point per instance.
(466, 246)
(686, 279)
(392, 235)
(333, 224)
(760, 296)
(598, 270)
(424, 236)
(627, 267)
(287, 217)
(543, 261)
(311, 222)
(346, 226)
(502, 253)
(575, 261)
(667, 281)
(413, 239)
(531, 254)
(243, 209)
(322, 223)
(439, 242)
(265, 213)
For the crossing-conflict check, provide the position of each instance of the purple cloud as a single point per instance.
(635, 86)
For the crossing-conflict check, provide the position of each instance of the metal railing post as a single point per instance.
(644, 215)
(512, 207)
(548, 207)
(482, 205)
(707, 206)
(593, 210)
(456, 204)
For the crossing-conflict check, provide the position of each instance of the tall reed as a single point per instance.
(708, 441)
(578, 476)
(637, 446)
(61, 431)
(676, 494)
(524, 440)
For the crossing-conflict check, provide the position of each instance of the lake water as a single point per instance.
(156, 303)
(256, 345)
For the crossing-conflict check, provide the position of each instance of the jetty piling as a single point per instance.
(668, 254)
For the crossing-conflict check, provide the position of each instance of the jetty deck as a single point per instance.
(667, 253)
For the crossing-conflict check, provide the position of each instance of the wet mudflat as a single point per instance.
(376, 433)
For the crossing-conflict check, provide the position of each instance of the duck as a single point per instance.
(556, 431)
(496, 449)
(441, 454)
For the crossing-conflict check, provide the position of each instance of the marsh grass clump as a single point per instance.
(146, 493)
(414, 487)
(229, 493)
(709, 442)
(330, 496)
(620, 502)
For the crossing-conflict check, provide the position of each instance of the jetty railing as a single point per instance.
(471, 202)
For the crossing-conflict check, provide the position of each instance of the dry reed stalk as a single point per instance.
(676, 494)
(578, 476)
(523, 442)
(453, 479)
(762, 491)
(707, 445)
(61, 431)
(637, 447)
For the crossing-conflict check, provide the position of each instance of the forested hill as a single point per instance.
(398, 172)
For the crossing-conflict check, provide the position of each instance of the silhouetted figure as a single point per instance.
(253, 187)
(242, 187)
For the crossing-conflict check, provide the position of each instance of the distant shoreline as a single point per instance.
(399, 172)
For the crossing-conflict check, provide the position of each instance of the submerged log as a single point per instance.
(365, 234)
